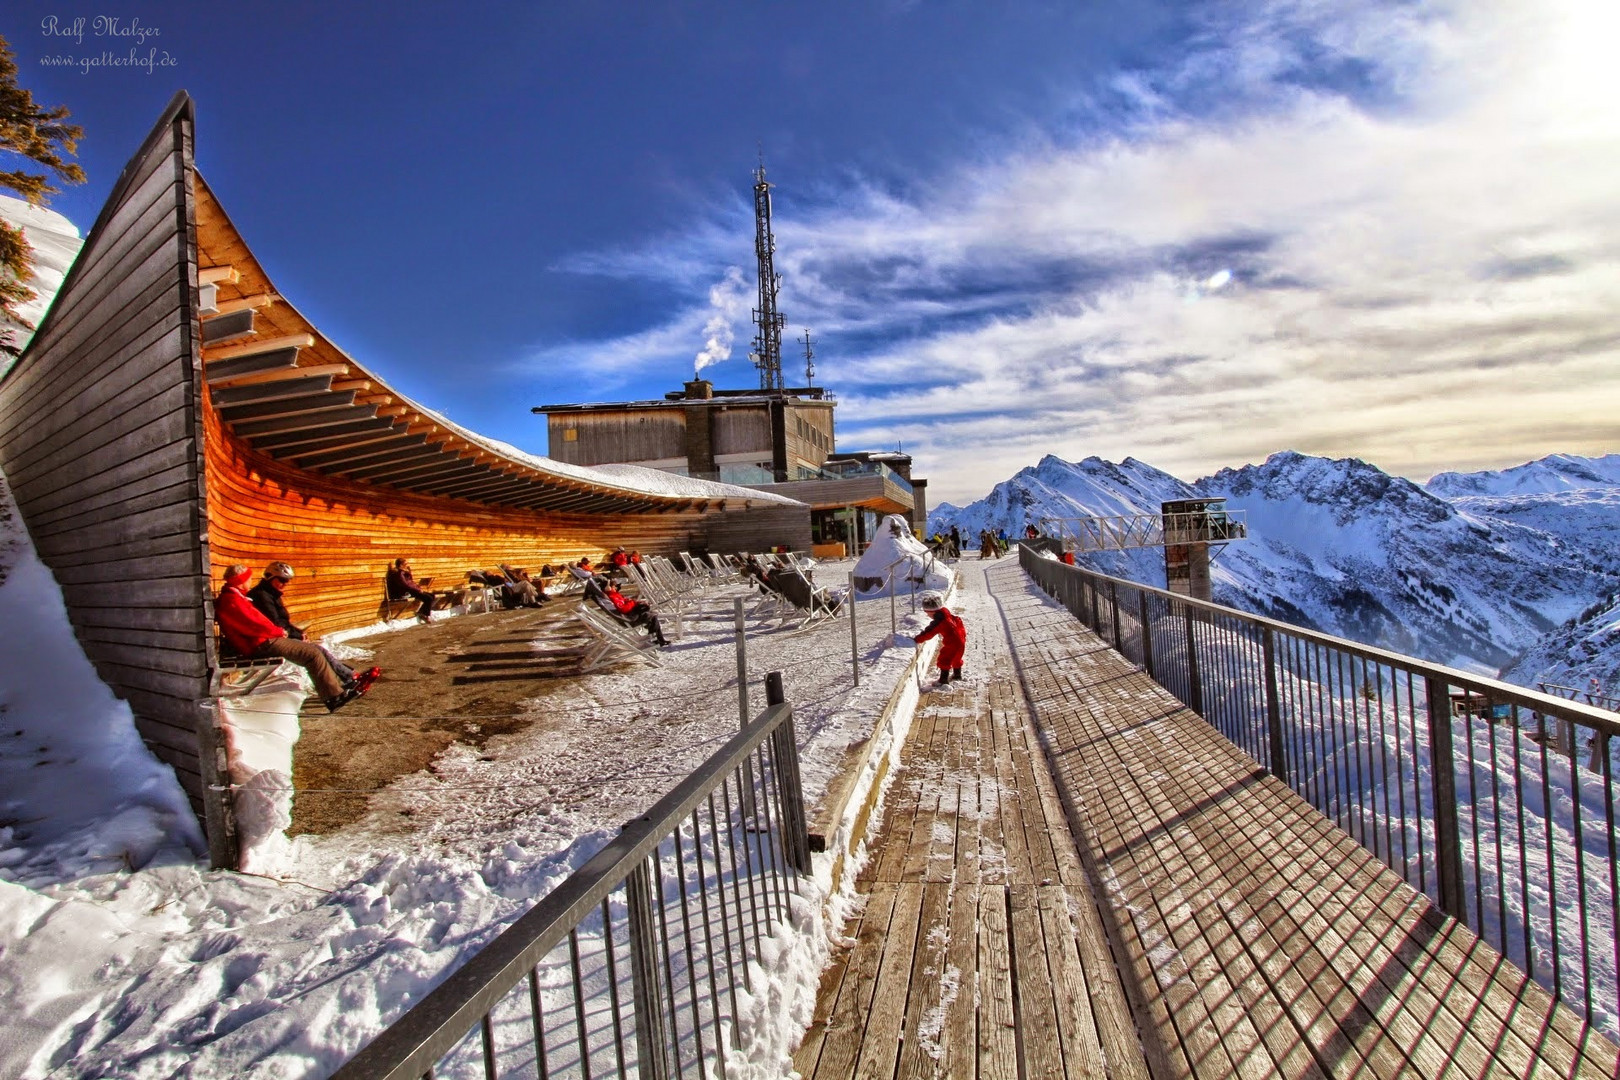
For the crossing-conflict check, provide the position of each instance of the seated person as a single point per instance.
(634, 612)
(267, 597)
(521, 588)
(403, 586)
(247, 631)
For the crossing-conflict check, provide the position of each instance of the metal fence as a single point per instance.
(1496, 801)
(636, 964)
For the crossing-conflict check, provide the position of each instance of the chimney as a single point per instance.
(699, 390)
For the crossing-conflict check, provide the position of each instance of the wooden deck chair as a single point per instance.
(811, 602)
(613, 638)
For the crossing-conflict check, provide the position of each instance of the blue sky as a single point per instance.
(1191, 233)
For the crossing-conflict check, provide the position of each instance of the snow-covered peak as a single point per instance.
(1341, 546)
(1349, 485)
(1550, 475)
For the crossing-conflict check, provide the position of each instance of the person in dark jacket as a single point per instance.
(268, 597)
(952, 634)
(246, 630)
(403, 586)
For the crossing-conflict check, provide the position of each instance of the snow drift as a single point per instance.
(898, 562)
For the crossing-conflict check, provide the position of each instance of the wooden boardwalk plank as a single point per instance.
(1329, 956)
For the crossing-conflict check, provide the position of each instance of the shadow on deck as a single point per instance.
(1142, 900)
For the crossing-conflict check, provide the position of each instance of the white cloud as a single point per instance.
(1423, 273)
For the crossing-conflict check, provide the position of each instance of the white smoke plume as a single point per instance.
(729, 302)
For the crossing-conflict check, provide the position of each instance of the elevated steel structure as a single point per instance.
(767, 351)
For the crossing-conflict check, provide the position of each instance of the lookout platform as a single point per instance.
(1138, 898)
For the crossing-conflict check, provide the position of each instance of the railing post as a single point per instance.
(785, 749)
(1195, 688)
(651, 1031)
(1447, 836)
(742, 662)
(854, 649)
(1274, 731)
(1113, 606)
(1096, 617)
(1147, 632)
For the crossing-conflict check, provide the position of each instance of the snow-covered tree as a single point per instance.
(42, 136)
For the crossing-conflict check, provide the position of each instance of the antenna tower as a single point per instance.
(809, 359)
(767, 353)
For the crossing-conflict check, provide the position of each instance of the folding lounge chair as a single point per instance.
(613, 633)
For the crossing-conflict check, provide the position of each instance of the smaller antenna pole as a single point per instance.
(809, 358)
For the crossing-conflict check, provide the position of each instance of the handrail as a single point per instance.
(634, 861)
(1485, 802)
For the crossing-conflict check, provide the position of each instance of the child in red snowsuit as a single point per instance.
(952, 634)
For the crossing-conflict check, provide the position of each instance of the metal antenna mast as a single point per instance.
(767, 354)
(809, 359)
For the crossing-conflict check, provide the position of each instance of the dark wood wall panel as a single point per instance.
(100, 441)
(759, 530)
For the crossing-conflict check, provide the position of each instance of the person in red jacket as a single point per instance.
(952, 634)
(636, 612)
(246, 630)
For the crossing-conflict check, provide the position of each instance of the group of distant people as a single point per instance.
(992, 544)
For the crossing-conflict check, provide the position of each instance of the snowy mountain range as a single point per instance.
(1484, 571)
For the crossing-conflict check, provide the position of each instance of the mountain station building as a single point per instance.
(780, 441)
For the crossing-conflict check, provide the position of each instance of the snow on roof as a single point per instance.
(635, 479)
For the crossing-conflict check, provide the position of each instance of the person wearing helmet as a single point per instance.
(245, 629)
(268, 597)
(952, 634)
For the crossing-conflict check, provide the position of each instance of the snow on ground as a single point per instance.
(897, 562)
(121, 954)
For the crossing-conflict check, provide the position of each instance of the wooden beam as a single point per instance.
(384, 473)
(242, 303)
(388, 463)
(393, 410)
(303, 421)
(338, 442)
(278, 390)
(307, 403)
(356, 385)
(325, 460)
(223, 328)
(333, 436)
(215, 275)
(253, 348)
(222, 371)
(279, 374)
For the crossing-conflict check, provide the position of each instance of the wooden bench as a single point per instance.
(235, 674)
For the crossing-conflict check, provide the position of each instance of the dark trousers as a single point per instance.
(427, 598)
(312, 658)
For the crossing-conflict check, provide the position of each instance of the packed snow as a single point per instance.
(898, 564)
(121, 954)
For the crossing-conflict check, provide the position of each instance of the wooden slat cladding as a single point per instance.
(340, 536)
(100, 439)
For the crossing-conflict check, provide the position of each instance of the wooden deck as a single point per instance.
(1199, 919)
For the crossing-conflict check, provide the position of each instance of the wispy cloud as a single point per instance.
(1381, 230)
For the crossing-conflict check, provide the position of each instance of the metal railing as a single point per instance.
(1496, 801)
(1126, 531)
(633, 966)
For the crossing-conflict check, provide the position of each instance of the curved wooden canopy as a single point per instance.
(288, 392)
